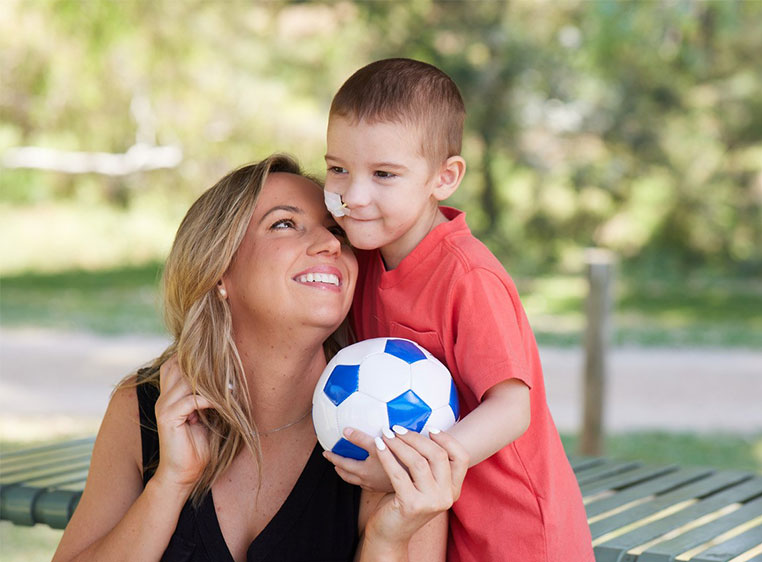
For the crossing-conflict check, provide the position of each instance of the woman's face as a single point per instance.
(294, 266)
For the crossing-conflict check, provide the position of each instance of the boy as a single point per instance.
(393, 153)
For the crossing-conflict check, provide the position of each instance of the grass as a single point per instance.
(123, 300)
(698, 313)
(720, 450)
(714, 312)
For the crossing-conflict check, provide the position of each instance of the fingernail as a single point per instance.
(399, 430)
(434, 430)
(388, 433)
(348, 432)
(380, 445)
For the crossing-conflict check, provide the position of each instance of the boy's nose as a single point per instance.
(357, 195)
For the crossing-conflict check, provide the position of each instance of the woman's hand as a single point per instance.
(183, 439)
(426, 474)
(369, 474)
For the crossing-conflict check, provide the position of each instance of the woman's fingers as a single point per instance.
(426, 461)
(172, 383)
(398, 476)
(458, 459)
(174, 391)
(429, 465)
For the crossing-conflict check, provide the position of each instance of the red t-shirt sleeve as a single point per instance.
(488, 343)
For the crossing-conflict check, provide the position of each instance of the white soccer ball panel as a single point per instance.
(362, 412)
(383, 376)
(325, 420)
(355, 353)
(431, 381)
(441, 418)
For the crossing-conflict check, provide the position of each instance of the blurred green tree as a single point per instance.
(631, 125)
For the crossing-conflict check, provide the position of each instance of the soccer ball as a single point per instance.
(378, 383)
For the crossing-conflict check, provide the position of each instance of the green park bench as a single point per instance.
(637, 512)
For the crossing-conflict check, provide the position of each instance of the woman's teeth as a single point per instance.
(319, 278)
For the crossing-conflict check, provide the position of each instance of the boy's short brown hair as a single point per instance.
(410, 92)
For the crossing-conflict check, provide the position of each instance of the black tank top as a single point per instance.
(316, 523)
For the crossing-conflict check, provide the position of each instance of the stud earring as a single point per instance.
(222, 291)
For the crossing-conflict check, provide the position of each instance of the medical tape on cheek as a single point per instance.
(334, 204)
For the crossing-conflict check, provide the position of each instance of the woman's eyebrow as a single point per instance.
(289, 208)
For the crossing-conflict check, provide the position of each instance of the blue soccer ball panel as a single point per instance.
(341, 383)
(404, 349)
(409, 411)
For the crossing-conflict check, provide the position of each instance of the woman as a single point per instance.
(210, 453)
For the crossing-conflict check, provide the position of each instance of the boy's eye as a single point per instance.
(336, 170)
(383, 174)
(282, 224)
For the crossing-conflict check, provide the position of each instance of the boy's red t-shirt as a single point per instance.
(453, 297)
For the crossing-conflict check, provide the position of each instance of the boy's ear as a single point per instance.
(450, 175)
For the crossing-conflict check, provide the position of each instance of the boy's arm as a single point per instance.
(501, 417)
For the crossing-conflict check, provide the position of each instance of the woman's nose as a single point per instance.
(325, 242)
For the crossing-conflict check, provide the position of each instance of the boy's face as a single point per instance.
(385, 182)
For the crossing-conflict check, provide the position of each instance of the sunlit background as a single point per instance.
(630, 126)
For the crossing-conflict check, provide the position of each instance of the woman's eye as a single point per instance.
(337, 170)
(385, 175)
(282, 224)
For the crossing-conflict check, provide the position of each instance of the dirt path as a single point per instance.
(47, 378)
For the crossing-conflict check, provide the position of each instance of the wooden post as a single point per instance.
(600, 275)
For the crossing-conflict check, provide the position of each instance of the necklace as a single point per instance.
(304, 415)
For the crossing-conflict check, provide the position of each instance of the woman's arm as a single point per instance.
(411, 523)
(118, 519)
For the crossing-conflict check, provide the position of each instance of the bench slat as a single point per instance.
(63, 445)
(658, 485)
(605, 470)
(611, 550)
(734, 547)
(665, 551)
(626, 479)
(697, 489)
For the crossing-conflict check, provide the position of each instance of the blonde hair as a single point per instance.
(200, 322)
(411, 92)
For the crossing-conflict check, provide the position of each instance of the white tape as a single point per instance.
(334, 204)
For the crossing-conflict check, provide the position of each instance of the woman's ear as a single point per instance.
(221, 290)
(450, 175)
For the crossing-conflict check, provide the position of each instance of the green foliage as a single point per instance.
(635, 126)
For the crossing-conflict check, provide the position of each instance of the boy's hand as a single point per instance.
(368, 474)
